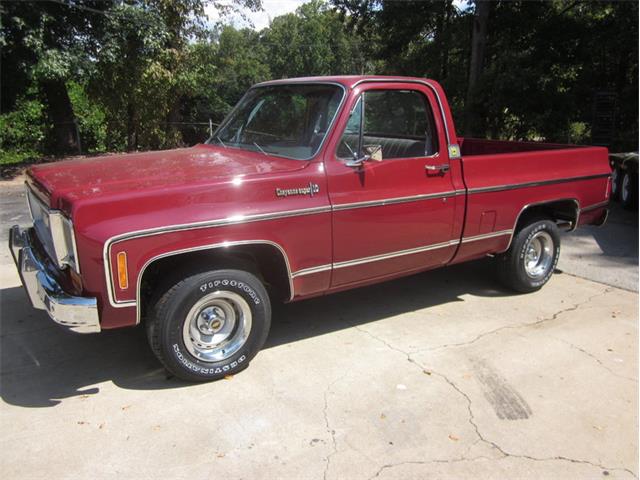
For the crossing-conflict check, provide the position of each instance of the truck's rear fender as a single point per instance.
(492, 236)
(566, 212)
(505, 190)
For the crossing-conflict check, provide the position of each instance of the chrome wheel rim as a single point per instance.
(217, 326)
(614, 181)
(538, 255)
(626, 183)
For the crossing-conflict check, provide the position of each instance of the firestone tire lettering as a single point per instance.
(206, 371)
(510, 265)
(241, 285)
(166, 323)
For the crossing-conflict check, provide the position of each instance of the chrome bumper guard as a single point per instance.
(78, 314)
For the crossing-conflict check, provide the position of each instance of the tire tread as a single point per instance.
(507, 263)
(159, 312)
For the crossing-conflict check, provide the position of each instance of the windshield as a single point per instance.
(286, 120)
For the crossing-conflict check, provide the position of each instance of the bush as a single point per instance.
(23, 131)
(91, 119)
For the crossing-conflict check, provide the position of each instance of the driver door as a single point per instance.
(394, 213)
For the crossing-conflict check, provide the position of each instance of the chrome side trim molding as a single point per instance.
(238, 219)
(233, 220)
(312, 270)
(595, 206)
(208, 247)
(399, 253)
(500, 188)
(486, 236)
(537, 204)
(392, 201)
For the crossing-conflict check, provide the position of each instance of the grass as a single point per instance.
(12, 157)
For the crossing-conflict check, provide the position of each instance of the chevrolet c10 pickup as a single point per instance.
(309, 186)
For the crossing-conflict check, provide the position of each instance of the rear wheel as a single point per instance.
(629, 190)
(616, 180)
(210, 325)
(531, 258)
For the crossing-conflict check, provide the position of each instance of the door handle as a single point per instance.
(442, 168)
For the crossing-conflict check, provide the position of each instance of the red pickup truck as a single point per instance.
(310, 186)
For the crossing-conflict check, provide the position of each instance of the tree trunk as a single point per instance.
(442, 37)
(172, 133)
(478, 43)
(132, 134)
(62, 116)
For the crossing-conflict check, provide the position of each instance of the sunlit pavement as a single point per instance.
(442, 374)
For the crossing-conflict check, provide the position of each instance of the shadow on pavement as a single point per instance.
(618, 238)
(41, 364)
(607, 255)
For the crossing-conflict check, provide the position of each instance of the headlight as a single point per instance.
(55, 231)
(64, 242)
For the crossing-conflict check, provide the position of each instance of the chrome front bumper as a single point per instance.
(78, 314)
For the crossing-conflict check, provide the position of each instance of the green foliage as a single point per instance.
(313, 41)
(22, 131)
(91, 119)
(151, 74)
(544, 65)
(133, 76)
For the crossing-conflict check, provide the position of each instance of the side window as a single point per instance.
(398, 122)
(349, 142)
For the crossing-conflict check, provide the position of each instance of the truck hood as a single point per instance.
(72, 180)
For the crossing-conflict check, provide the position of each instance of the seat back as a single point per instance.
(391, 147)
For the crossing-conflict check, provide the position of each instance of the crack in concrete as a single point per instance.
(330, 430)
(482, 457)
(600, 362)
(471, 418)
(426, 462)
(601, 282)
(519, 325)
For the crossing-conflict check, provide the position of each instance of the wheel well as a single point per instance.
(558, 211)
(266, 261)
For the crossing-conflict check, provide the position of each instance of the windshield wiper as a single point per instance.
(260, 148)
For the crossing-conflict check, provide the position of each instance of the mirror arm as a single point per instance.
(357, 162)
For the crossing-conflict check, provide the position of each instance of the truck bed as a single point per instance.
(478, 146)
(503, 178)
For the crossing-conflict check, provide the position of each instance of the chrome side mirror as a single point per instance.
(357, 162)
(371, 152)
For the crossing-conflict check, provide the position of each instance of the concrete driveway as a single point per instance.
(439, 375)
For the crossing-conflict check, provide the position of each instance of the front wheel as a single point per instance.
(210, 325)
(531, 258)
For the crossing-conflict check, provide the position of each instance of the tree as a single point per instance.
(478, 44)
(136, 71)
(47, 44)
(312, 41)
(131, 44)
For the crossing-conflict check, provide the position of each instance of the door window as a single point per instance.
(399, 123)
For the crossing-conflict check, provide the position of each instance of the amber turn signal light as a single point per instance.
(123, 276)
